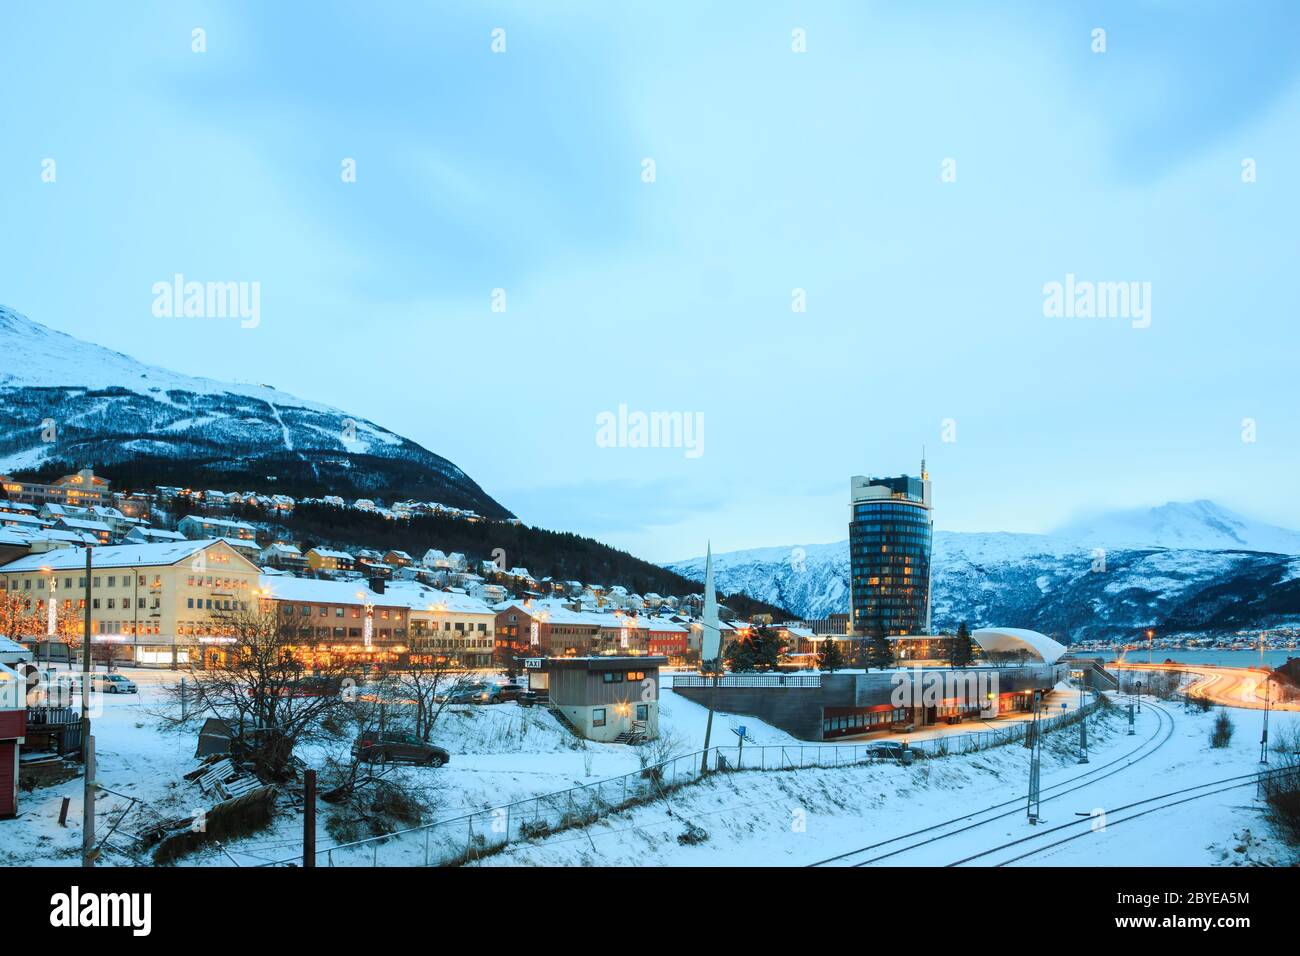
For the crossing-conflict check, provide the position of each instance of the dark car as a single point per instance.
(889, 750)
(483, 693)
(398, 748)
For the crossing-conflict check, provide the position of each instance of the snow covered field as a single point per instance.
(809, 816)
(507, 752)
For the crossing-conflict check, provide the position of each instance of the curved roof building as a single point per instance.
(1011, 639)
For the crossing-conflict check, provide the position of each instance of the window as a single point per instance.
(642, 711)
(598, 717)
(612, 677)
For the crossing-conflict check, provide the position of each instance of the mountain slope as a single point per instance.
(1061, 585)
(137, 423)
(1199, 525)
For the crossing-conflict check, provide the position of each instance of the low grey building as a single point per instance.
(604, 698)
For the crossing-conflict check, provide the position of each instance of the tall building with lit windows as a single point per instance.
(891, 531)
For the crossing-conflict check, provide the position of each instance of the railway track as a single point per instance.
(1057, 835)
(927, 836)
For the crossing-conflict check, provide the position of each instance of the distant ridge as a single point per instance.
(140, 423)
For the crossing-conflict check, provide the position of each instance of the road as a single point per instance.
(1228, 686)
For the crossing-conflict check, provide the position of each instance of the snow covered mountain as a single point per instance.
(126, 418)
(1198, 525)
(1194, 567)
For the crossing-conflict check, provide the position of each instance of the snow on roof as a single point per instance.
(323, 592)
(7, 518)
(220, 522)
(281, 548)
(12, 647)
(81, 524)
(157, 534)
(658, 625)
(1001, 639)
(117, 556)
(327, 553)
(419, 597)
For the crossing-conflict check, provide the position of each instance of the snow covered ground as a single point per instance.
(507, 752)
(809, 816)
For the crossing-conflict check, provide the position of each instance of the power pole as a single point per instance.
(1263, 739)
(87, 741)
(88, 802)
(708, 726)
(1033, 808)
(309, 819)
(1083, 727)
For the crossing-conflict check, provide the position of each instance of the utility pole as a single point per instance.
(87, 741)
(1263, 739)
(309, 819)
(1033, 808)
(1083, 727)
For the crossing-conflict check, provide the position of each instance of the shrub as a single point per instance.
(1221, 734)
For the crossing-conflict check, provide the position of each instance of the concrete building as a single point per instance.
(332, 620)
(83, 489)
(447, 627)
(151, 604)
(820, 706)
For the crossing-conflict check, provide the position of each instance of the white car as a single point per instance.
(114, 684)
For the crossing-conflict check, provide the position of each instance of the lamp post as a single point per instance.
(1263, 738)
(1083, 727)
(87, 742)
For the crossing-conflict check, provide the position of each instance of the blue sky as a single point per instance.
(775, 170)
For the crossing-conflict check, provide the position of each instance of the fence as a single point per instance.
(749, 680)
(463, 838)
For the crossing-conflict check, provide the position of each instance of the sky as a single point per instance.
(841, 255)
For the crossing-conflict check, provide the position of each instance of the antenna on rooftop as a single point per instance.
(924, 475)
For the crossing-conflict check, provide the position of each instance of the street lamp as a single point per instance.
(1083, 727)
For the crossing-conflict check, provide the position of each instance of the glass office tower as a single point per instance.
(891, 530)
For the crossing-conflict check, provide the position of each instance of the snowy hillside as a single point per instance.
(1076, 587)
(1199, 525)
(109, 410)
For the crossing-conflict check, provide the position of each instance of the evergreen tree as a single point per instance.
(963, 648)
(880, 653)
(829, 656)
(740, 656)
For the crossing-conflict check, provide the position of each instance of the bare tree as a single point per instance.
(428, 690)
(270, 700)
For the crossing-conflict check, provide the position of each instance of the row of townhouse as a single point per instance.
(172, 603)
(223, 500)
(551, 628)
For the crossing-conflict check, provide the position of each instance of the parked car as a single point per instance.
(889, 750)
(510, 691)
(113, 684)
(483, 693)
(398, 748)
